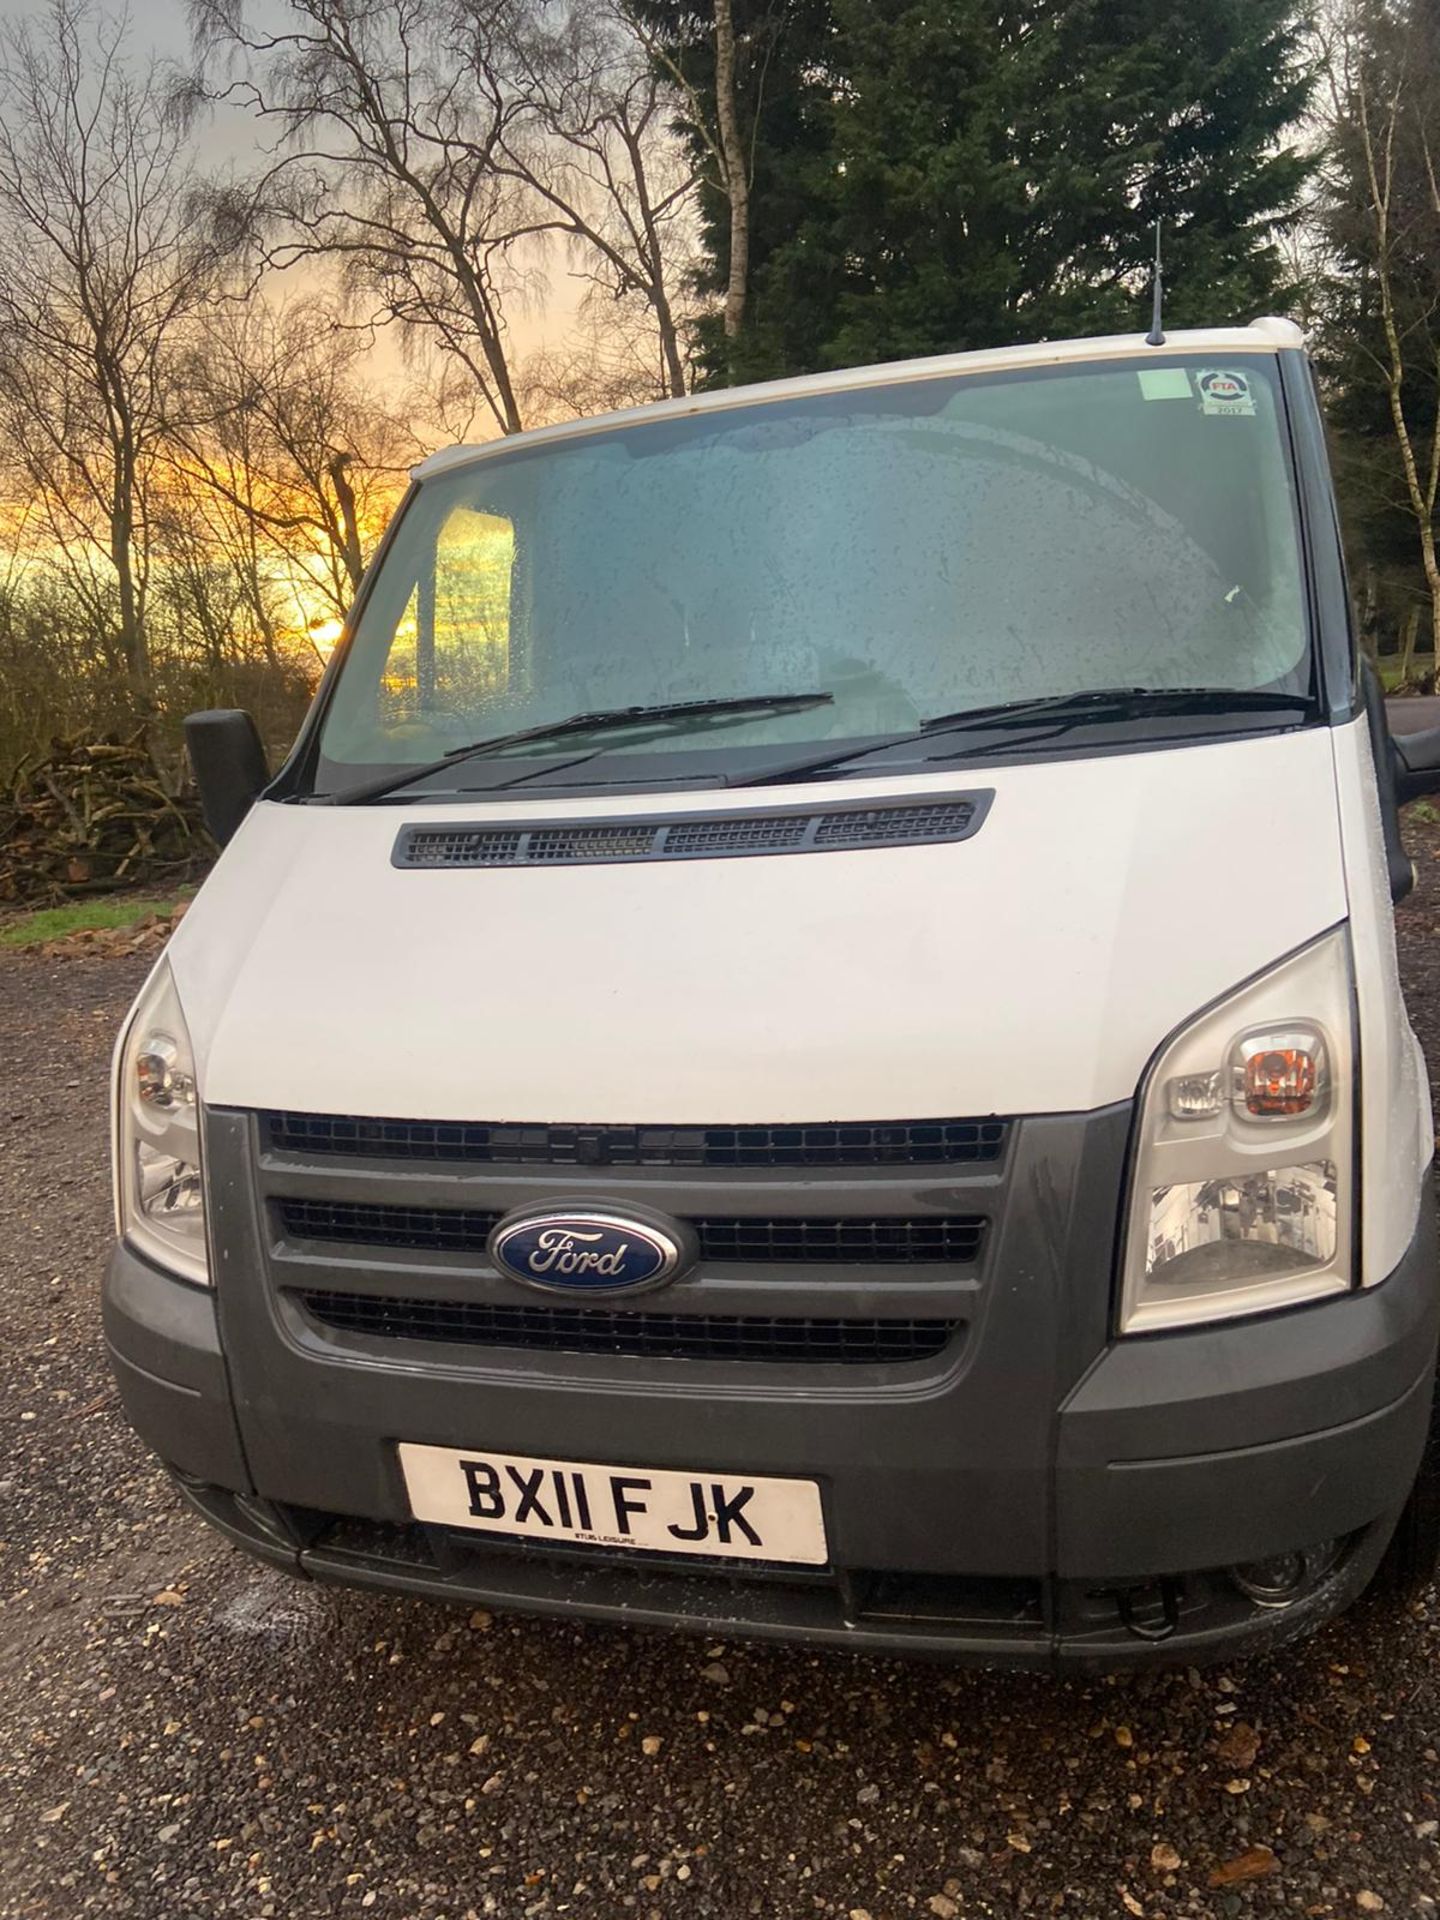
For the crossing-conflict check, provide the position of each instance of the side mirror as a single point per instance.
(1417, 764)
(229, 766)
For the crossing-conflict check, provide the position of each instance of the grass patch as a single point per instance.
(1422, 670)
(83, 916)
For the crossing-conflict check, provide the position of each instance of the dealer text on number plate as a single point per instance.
(656, 1510)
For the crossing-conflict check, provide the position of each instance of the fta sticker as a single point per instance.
(1223, 391)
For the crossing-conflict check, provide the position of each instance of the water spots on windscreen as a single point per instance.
(916, 549)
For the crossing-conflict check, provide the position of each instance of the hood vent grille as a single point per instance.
(549, 843)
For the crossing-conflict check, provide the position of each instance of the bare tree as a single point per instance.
(606, 362)
(716, 124)
(289, 458)
(595, 147)
(1383, 214)
(388, 159)
(101, 267)
(735, 168)
(435, 147)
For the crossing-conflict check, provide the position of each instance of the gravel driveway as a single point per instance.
(186, 1734)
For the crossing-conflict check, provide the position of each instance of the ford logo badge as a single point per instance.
(587, 1252)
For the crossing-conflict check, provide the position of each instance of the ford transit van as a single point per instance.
(808, 1041)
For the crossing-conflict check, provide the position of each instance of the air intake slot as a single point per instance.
(847, 1240)
(710, 836)
(658, 1336)
(884, 1143)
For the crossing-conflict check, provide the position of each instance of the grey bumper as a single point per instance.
(1216, 1447)
(164, 1347)
(1168, 1459)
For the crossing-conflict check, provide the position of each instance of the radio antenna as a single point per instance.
(1156, 335)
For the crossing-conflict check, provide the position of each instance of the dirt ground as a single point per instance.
(185, 1734)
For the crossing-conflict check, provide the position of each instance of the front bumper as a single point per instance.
(1158, 1464)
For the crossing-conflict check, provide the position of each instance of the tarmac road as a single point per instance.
(1414, 713)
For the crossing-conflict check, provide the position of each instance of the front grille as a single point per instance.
(633, 1335)
(695, 837)
(943, 1237)
(884, 1143)
(883, 1242)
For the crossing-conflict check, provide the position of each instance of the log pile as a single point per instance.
(94, 815)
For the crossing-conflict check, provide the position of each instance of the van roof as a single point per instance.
(1261, 336)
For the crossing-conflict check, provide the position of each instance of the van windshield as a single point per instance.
(910, 548)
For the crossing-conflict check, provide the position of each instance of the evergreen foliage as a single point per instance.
(936, 176)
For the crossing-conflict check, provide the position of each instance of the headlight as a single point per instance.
(1244, 1174)
(160, 1204)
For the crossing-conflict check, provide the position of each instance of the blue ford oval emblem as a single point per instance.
(584, 1252)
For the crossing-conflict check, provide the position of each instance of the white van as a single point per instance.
(808, 1042)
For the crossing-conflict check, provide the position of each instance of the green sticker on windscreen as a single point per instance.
(1165, 383)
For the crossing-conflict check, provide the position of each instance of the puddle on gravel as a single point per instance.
(280, 1615)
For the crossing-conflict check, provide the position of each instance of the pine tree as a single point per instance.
(966, 173)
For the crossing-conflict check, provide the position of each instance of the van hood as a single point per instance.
(1034, 968)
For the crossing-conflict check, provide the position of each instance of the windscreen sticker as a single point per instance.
(1165, 383)
(1224, 391)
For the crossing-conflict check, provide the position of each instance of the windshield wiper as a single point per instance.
(1063, 710)
(1121, 702)
(602, 720)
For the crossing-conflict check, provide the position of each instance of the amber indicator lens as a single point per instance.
(1281, 1082)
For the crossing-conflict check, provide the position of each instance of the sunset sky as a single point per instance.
(232, 140)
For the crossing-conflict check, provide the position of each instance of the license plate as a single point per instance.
(723, 1516)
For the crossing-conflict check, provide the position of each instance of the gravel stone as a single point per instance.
(188, 1735)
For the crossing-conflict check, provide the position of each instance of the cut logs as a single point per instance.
(93, 815)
